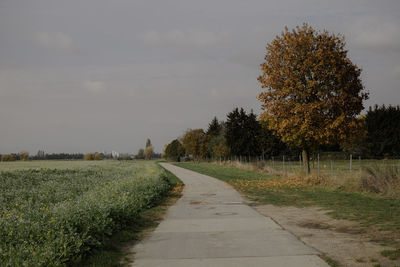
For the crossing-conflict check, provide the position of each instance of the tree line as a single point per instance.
(242, 136)
(311, 100)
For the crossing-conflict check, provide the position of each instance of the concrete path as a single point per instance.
(211, 226)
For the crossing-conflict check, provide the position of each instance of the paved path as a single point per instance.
(211, 226)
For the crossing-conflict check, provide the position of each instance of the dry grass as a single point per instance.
(380, 180)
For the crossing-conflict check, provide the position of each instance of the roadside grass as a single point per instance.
(225, 173)
(381, 212)
(331, 262)
(116, 251)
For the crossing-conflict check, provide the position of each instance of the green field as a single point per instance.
(56, 212)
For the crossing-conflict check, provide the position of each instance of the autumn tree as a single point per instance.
(313, 90)
(174, 150)
(23, 155)
(195, 143)
(221, 150)
(89, 156)
(148, 152)
(148, 143)
(97, 156)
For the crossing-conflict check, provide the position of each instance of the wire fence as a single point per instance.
(322, 165)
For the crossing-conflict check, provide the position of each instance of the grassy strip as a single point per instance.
(373, 210)
(56, 216)
(116, 251)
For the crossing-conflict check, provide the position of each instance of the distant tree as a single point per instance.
(7, 157)
(174, 150)
(383, 131)
(314, 92)
(221, 150)
(195, 143)
(89, 156)
(64, 156)
(214, 128)
(270, 144)
(148, 152)
(140, 154)
(23, 155)
(40, 154)
(97, 156)
(148, 143)
(242, 133)
(163, 155)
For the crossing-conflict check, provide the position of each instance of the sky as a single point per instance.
(101, 75)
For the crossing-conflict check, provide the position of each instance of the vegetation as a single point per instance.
(92, 156)
(114, 252)
(148, 152)
(140, 154)
(174, 150)
(8, 157)
(23, 155)
(383, 131)
(214, 128)
(195, 142)
(346, 203)
(41, 155)
(56, 216)
(242, 133)
(314, 91)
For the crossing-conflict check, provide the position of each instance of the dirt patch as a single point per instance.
(346, 242)
(195, 202)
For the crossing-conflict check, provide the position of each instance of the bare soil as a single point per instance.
(346, 242)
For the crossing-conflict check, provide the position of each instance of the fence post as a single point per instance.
(359, 160)
(318, 163)
(283, 162)
(273, 163)
(351, 162)
(331, 168)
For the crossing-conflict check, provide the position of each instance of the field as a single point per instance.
(55, 212)
(346, 197)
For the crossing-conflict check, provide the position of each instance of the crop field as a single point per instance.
(55, 212)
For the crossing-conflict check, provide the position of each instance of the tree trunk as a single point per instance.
(306, 161)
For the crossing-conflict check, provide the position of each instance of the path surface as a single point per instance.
(210, 225)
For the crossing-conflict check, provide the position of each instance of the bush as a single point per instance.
(8, 157)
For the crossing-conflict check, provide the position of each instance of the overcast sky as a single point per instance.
(94, 75)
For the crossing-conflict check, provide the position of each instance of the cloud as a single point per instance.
(396, 72)
(95, 86)
(178, 37)
(56, 41)
(374, 33)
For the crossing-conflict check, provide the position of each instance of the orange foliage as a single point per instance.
(313, 91)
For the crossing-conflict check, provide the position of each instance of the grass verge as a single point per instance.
(370, 210)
